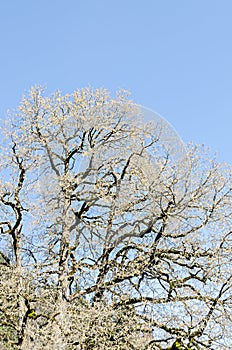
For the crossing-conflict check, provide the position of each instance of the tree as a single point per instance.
(109, 241)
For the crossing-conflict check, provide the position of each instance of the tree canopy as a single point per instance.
(107, 239)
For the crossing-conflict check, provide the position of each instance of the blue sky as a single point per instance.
(175, 56)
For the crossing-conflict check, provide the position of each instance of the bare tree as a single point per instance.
(109, 241)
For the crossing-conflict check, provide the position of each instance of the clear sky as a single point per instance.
(175, 56)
